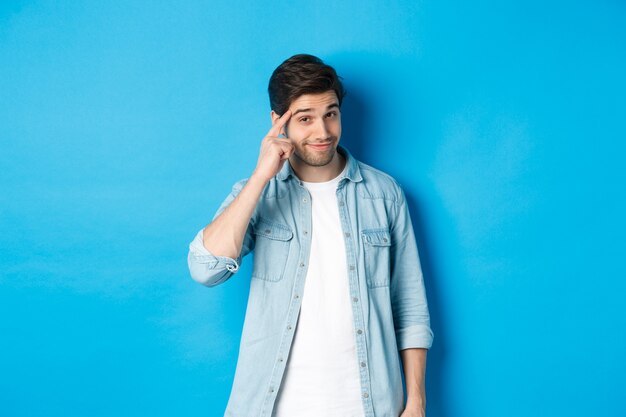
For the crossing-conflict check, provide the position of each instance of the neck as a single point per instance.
(309, 173)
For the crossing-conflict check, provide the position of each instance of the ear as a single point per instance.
(274, 116)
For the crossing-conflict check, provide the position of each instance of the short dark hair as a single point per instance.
(302, 74)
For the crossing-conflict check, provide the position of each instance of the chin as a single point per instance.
(322, 159)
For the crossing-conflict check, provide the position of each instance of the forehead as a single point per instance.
(318, 101)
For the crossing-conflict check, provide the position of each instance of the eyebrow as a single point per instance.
(330, 106)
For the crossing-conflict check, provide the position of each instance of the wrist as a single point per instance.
(256, 178)
(416, 400)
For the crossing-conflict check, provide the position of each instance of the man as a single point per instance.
(336, 288)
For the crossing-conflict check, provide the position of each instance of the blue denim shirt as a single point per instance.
(385, 280)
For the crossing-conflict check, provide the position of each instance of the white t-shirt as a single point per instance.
(322, 375)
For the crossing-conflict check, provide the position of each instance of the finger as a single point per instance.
(280, 141)
(280, 122)
(286, 153)
(286, 147)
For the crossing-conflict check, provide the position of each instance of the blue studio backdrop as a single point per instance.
(124, 124)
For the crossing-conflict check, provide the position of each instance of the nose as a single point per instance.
(321, 130)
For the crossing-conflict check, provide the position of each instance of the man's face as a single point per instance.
(314, 127)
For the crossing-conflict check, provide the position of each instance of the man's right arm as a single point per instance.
(216, 251)
(224, 236)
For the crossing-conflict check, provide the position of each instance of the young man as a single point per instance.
(336, 288)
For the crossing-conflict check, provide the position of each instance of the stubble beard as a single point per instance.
(316, 158)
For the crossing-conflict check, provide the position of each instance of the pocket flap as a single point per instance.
(377, 237)
(272, 230)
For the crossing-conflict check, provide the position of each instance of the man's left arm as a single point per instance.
(409, 306)
(414, 364)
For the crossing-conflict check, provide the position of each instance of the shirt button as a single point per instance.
(267, 230)
(301, 263)
(271, 389)
(384, 239)
(365, 395)
(281, 359)
(359, 331)
(352, 267)
(305, 232)
(347, 234)
(304, 200)
(288, 327)
(363, 364)
(355, 299)
(341, 203)
(296, 296)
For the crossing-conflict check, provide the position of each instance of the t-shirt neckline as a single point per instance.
(326, 184)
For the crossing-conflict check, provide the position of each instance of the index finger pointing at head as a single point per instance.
(278, 125)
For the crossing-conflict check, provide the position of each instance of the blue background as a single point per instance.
(124, 124)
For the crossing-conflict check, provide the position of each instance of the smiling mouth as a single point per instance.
(320, 146)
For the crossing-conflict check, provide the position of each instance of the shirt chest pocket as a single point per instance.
(271, 249)
(376, 251)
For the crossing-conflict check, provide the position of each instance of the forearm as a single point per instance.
(225, 234)
(414, 364)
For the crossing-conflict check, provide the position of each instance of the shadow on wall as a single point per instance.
(358, 126)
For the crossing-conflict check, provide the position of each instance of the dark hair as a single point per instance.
(302, 74)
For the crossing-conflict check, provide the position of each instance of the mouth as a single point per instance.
(320, 147)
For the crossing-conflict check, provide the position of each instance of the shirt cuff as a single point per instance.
(202, 255)
(417, 336)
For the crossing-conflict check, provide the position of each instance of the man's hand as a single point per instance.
(274, 150)
(415, 405)
(413, 412)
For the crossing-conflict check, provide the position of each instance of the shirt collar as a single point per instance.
(353, 172)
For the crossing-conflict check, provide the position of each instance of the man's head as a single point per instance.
(313, 92)
(301, 74)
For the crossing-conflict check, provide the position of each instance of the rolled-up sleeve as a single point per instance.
(209, 269)
(206, 268)
(408, 296)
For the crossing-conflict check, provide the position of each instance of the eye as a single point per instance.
(331, 114)
(304, 119)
